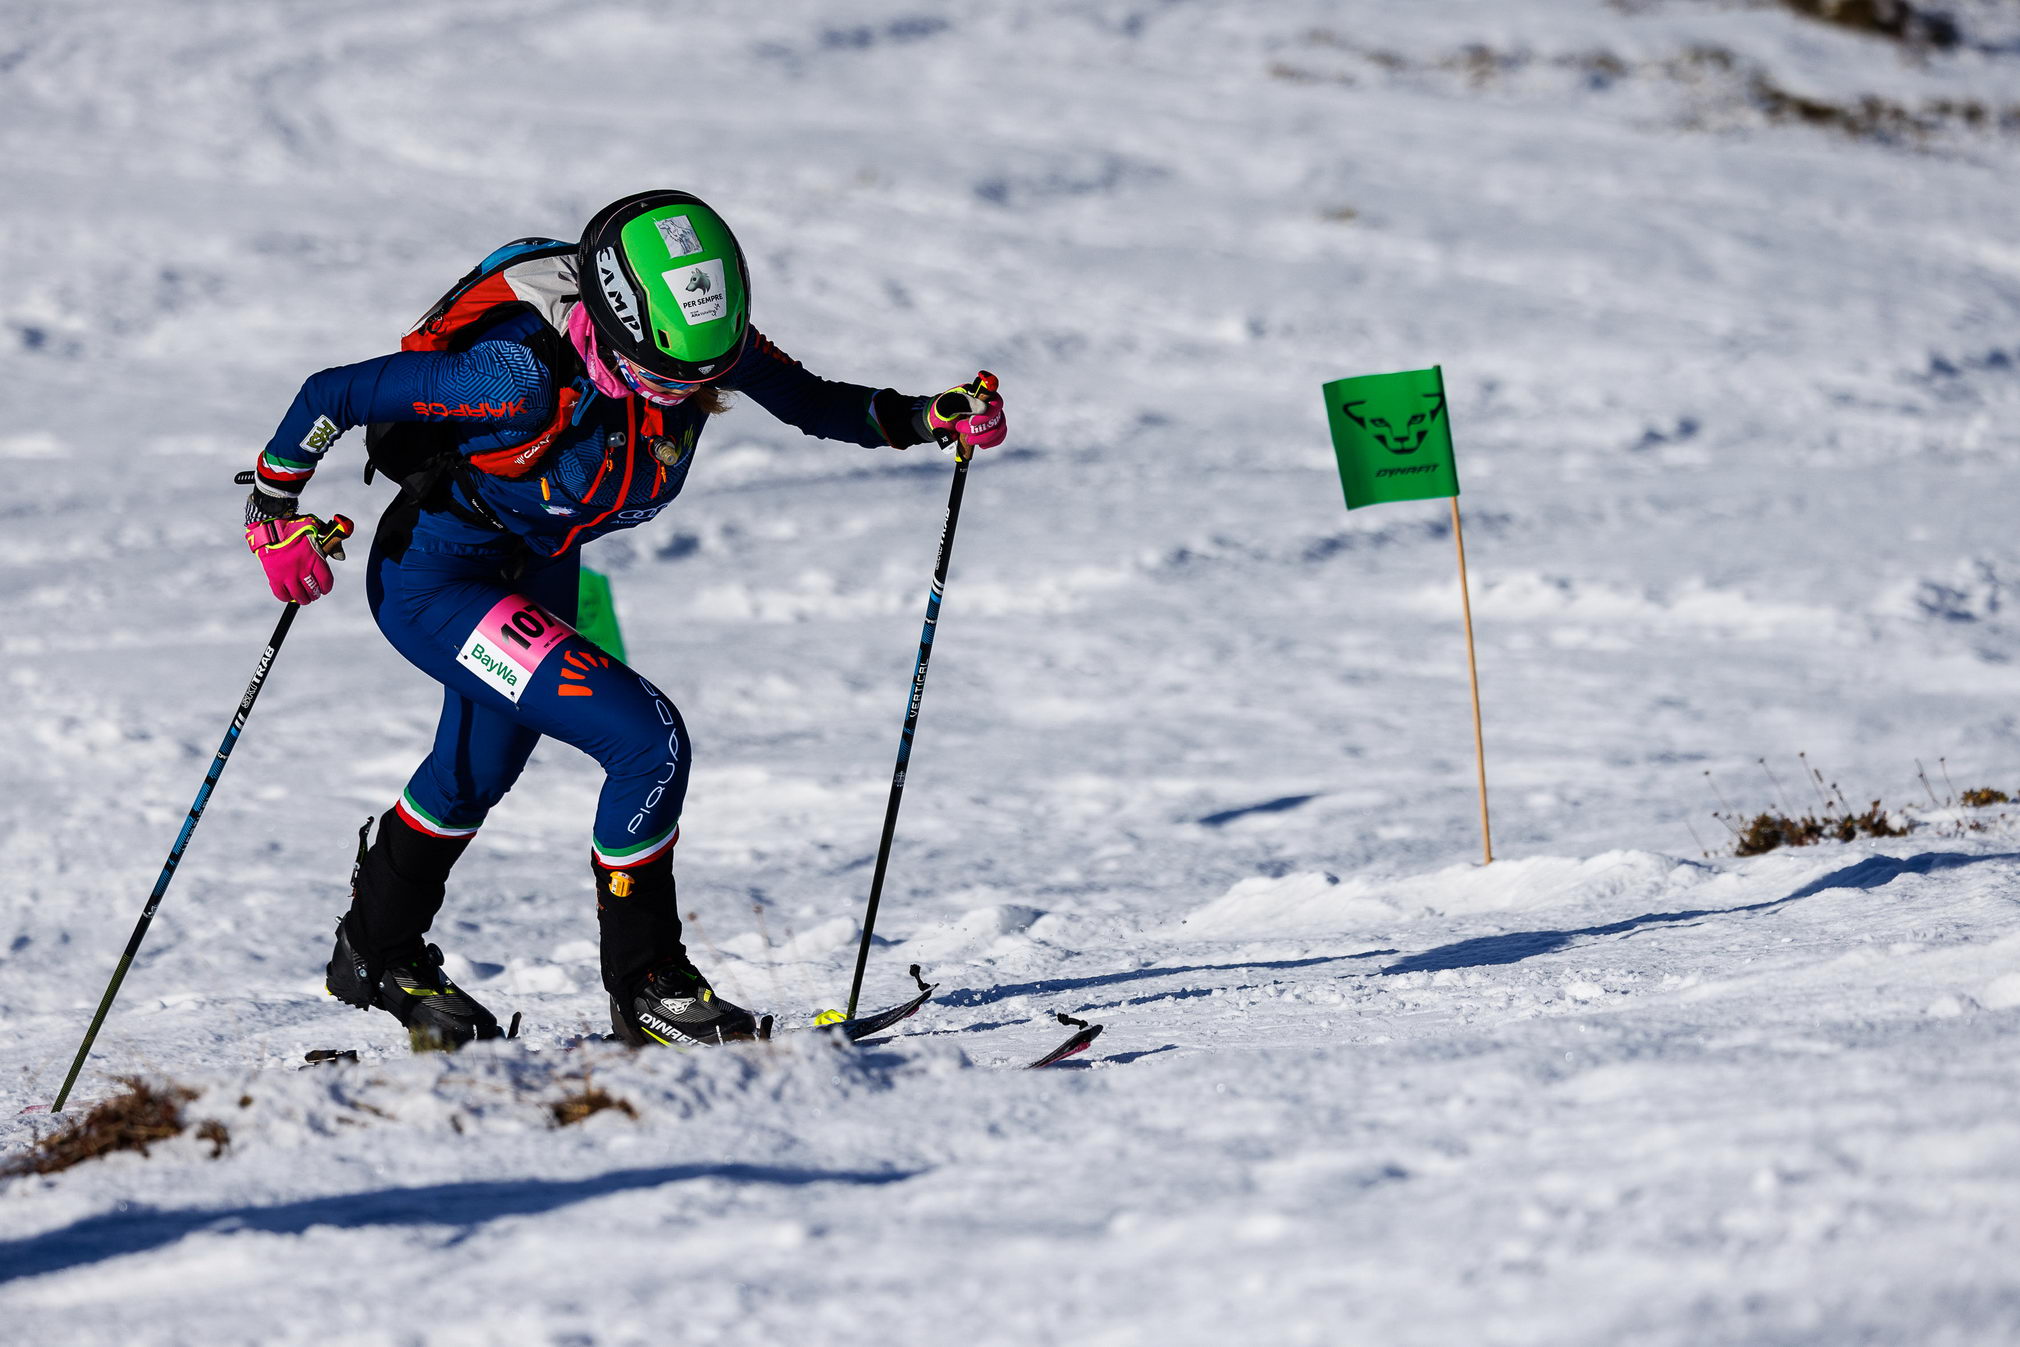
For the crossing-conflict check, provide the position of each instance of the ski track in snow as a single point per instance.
(1735, 403)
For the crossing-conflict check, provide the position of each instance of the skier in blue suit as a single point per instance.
(553, 396)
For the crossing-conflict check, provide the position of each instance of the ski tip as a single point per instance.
(32, 1108)
(513, 1032)
(1083, 1038)
(318, 1056)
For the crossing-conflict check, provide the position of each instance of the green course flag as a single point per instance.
(596, 613)
(1392, 436)
(1394, 442)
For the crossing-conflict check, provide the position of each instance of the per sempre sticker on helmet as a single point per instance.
(699, 289)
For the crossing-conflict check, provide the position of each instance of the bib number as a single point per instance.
(509, 642)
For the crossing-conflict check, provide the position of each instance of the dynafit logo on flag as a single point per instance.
(1407, 438)
(1392, 437)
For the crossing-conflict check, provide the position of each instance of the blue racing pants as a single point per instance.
(493, 626)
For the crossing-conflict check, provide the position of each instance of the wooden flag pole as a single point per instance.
(1473, 673)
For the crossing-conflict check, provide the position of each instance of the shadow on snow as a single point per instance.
(468, 1205)
(1277, 806)
(982, 996)
(1515, 946)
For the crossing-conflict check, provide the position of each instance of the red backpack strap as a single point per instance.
(541, 283)
(522, 460)
(524, 275)
(469, 312)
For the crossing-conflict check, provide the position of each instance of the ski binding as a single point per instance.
(862, 1026)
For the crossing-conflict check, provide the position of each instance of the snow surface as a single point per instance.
(1735, 402)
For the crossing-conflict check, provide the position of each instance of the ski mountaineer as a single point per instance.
(553, 396)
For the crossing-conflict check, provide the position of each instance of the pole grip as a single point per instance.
(330, 534)
(980, 387)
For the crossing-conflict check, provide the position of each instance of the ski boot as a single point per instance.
(411, 986)
(656, 994)
(675, 1005)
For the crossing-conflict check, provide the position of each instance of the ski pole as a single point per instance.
(984, 384)
(329, 540)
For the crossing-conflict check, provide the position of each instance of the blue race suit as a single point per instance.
(482, 597)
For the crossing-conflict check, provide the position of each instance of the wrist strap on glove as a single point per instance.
(325, 535)
(968, 416)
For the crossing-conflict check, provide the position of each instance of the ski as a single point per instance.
(850, 1031)
(339, 1056)
(862, 1026)
(1082, 1038)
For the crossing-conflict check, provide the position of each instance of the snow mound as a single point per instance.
(974, 934)
(2002, 992)
(498, 1098)
(815, 943)
(1317, 903)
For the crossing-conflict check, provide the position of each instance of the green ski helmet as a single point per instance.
(665, 285)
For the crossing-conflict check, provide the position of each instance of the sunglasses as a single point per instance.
(646, 382)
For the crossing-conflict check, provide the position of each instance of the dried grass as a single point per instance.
(143, 1114)
(1896, 20)
(587, 1103)
(1727, 89)
(1769, 831)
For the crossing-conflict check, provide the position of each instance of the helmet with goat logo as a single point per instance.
(665, 287)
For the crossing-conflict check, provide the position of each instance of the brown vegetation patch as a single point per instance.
(1872, 117)
(1727, 90)
(1893, 19)
(586, 1103)
(130, 1121)
(1769, 831)
(213, 1131)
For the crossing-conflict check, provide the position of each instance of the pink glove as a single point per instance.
(292, 549)
(971, 414)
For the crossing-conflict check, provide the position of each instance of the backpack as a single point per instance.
(526, 275)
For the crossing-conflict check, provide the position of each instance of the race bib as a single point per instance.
(510, 641)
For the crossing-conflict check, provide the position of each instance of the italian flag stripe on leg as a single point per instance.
(618, 858)
(421, 820)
